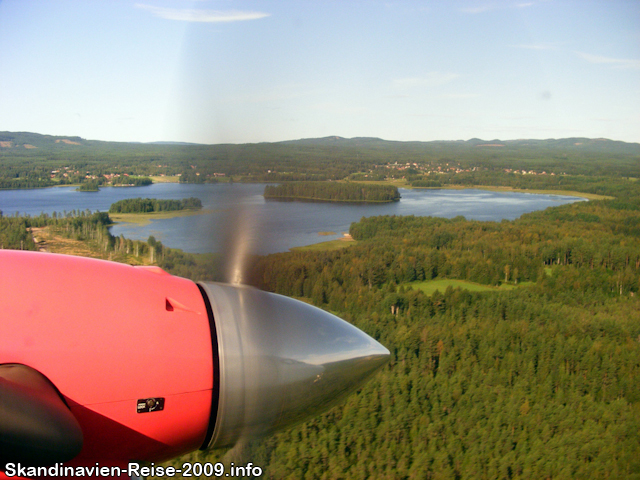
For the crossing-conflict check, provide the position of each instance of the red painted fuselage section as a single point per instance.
(106, 335)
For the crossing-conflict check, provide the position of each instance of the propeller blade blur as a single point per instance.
(243, 237)
(281, 360)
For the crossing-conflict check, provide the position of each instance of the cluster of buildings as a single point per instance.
(525, 172)
(68, 171)
(427, 169)
(446, 168)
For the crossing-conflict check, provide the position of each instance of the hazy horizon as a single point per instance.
(324, 138)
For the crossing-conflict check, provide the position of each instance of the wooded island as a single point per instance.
(333, 192)
(149, 205)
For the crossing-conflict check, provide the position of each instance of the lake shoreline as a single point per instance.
(498, 189)
(142, 219)
(396, 183)
(492, 188)
(326, 200)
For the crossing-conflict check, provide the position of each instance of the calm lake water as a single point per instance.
(271, 226)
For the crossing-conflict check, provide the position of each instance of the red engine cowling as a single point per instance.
(150, 366)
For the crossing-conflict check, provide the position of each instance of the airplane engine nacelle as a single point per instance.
(151, 366)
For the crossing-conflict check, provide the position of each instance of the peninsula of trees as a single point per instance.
(88, 187)
(333, 192)
(151, 205)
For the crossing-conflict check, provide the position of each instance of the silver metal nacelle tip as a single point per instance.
(281, 361)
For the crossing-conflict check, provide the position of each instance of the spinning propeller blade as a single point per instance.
(280, 360)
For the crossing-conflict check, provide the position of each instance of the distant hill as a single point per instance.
(172, 143)
(20, 139)
(580, 143)
(337, 141)
(324, 158)
(577, 143)
(35, 140)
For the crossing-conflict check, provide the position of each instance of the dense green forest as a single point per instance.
(538, 381)
(332, 192)
(542, 381)
(148, 205)
(14, 233)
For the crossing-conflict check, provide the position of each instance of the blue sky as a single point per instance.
(235, 71)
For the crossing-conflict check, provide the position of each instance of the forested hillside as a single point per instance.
(30, 160)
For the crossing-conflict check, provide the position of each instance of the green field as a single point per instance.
(325, 246)
(431, 286)
(165, 178)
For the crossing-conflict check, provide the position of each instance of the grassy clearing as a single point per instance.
(165, 179)
(326, 246)
(145, 218)
(430, 287)
(48, 240)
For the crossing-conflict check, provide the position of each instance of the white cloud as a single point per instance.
(198, 15)
(431, 79)
(485, 7)
(624, 63)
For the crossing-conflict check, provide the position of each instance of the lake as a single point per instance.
(271, 226)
